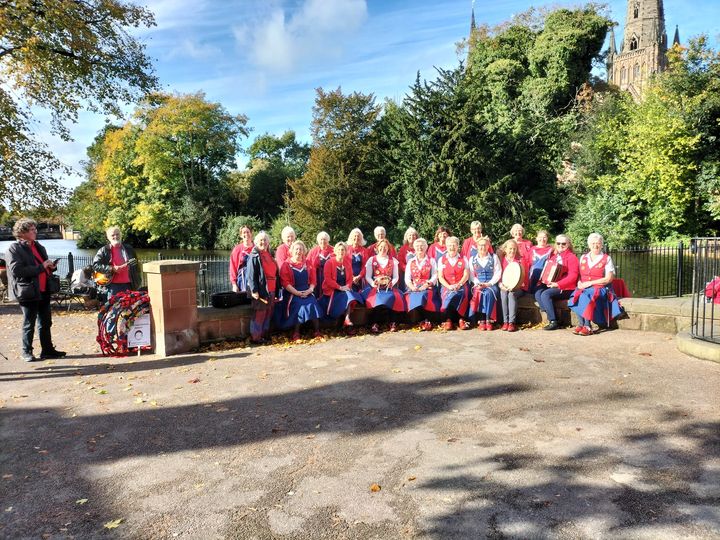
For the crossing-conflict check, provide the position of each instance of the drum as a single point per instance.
(551, 271)
(512, 276)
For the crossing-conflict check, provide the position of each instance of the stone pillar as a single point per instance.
(173, 297)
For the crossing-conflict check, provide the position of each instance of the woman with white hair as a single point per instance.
(117, 262)
(485, 272)
(453, 275)
(381, 234)
(288, 236)
(469, 245)
(263, 285)
(524, 246)
(317, 257)
(420, 281)
(381, 293)
(358, 257)
(299, 304)
(594, 299)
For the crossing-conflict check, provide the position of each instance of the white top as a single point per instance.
(79, 280)
(382, 262)
(592, 261)
(483, 262)
(427, 260)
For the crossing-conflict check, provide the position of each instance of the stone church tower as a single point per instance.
(643, 48)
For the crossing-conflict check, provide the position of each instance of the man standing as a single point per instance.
(28, 272)
(116, 260)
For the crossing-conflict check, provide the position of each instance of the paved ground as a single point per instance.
(439, 435)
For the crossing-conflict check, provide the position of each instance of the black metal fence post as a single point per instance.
(680, 253)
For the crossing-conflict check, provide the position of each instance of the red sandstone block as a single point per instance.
(182, 280)
(209, 330)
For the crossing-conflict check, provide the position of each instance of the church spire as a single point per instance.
(472, 17)
(676, 39)
(612, 50)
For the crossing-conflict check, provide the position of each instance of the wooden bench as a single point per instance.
(66, 297)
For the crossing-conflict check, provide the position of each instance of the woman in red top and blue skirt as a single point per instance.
(338, 297)
(358, 257)
(299, 305)
(406, 252)
(453, 275)
(594, 299)
(421, 281)
(317, 257)
(381, 275)
(536, 259)
(439, 247)
(485, 272)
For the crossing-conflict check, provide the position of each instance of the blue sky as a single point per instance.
(265, 58)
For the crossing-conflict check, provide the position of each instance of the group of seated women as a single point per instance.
(468, 283)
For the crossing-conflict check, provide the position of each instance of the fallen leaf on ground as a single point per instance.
(412, 478)
(81, 501)
(418, 347)
(375, 488)
(195, 380)
(113, 524)
(645, 354)
(524, 349)
(538, 360)
(452, 439)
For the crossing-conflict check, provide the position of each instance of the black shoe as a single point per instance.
(28, 357)
(552, 325)
(52, 354)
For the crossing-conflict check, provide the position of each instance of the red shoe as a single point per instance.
(577, 330)
(504, 327)
(349, 330)
(463, 324)
(512, 327)
(318, 334)
(425, 326)
(375, 328)
(296, 337)
(481, 326)
(585, 331)
(393, 327)
(489, 326)
(448, 325)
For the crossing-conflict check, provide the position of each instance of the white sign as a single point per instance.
(139, 334)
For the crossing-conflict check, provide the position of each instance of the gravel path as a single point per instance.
(434, 435)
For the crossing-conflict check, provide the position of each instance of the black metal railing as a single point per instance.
(655, 271)
(705, 313)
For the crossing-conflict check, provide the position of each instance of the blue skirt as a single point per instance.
(390, 298)
(596, 304)
(336, 304)
(429, 300)
(295, 310)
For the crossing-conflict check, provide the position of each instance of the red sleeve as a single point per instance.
(235, 262)
(569, 281)
(329, 281)
(465, 250)
(312, 274)
(313, 255)
(402, 259)
(281, 255)
(286, 275)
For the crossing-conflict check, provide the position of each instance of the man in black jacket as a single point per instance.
(28, 273)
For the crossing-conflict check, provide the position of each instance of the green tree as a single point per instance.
(262, 186)
(163, 176)
(343, 186)
(62, 56)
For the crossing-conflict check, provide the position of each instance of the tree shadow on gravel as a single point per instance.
(52, 371)
(662, 482)
(45, 452)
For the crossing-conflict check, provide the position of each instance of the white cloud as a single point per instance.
(316, 32)
(191, 48)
